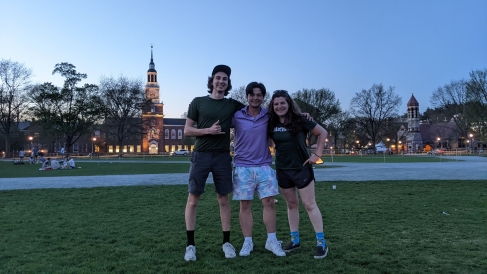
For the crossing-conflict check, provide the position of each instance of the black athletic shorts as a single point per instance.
(299, 178)
(218, 163)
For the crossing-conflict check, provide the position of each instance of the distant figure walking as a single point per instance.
(62, 151)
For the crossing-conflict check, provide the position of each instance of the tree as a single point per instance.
(320, 104)
(476, 110)
(14, 80)
(340, 124)
(123, 100)
(452, 99)
(71, 110)
(371, 109)
(240, 95)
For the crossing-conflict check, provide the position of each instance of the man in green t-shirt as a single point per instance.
(213, 117)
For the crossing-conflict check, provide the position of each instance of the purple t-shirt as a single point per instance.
(251, 145)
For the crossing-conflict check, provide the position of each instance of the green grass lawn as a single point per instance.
(166, 164)
(371, 227)
(9, 170)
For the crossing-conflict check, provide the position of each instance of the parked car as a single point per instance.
(181, 152)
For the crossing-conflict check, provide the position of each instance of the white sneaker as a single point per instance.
(275, 247)
(229, 250)
(246, 248)
(190, 253)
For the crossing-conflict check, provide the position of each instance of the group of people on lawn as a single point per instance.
(47, 164)
(281, 124)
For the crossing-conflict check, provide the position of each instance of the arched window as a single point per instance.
(173, 134)
(180, 134)
(166, 134)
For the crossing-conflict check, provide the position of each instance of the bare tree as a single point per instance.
(14, 80)
(340, 124)
(123, 100)
(452, 98)
(476, 110)
(373, 107)
(71, 110)
(240, 95)
(321, 104)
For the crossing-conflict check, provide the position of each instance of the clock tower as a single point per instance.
(153, 116)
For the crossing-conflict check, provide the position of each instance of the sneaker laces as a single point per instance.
(247, 247)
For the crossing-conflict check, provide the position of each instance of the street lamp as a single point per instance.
(439, 139)
(92, 146)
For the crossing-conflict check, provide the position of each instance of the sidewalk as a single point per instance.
(469, 168)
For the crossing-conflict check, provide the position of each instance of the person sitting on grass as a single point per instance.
(69, 163)
(46, 165)
(55, 164)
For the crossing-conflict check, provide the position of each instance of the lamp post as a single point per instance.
(331, 153)
(471, 144)
(439, 142)
(92, 146)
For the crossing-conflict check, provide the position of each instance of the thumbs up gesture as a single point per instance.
(216, 129)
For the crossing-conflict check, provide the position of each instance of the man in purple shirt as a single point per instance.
(253, 172)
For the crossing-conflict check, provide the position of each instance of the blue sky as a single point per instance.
(346, 46)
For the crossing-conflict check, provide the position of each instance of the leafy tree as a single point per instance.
(72, 110)
(14, 82)
(372, 108)
(123, 100)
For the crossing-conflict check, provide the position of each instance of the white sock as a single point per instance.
(248, 239)
(271, 236)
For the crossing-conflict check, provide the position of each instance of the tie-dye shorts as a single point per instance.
(248, 180)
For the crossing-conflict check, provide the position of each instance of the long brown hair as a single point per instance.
(293, 118)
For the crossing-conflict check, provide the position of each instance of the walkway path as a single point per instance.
(469, 168)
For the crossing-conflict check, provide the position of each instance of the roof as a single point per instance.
(174, 121)
(413, 101)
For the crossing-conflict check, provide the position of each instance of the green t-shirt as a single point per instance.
(205, 111)
(291, 151)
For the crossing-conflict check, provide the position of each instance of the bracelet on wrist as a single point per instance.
(315, 155)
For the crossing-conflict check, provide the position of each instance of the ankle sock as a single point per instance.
(295, 237)
(248, 239)
(271, 236)
(320, 239)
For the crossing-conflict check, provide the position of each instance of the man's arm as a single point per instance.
(191, 131)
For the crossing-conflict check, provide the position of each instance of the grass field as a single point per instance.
(371, 227)
(169, 164)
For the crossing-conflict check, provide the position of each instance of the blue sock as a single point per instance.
(320, 239)
(295, 237)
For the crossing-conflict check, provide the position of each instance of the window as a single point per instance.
(110, 149)
(139, 149)
(131, 149)
(75, 147)
(173, 134)
(117, 149)
(166, 134)
(180, 134)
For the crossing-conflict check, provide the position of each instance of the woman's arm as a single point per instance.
(320, 144)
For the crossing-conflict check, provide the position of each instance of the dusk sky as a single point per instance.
(346, 46)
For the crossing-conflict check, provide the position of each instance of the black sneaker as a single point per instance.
(321, 252)
(291, 246)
